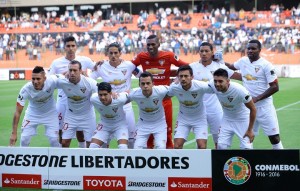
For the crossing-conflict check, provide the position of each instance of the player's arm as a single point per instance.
(237, 76)
(249, 133)
(274, 87)
(136, 72)
(16, 119)
(230, 66)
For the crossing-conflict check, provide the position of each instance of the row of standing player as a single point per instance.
(159, 63)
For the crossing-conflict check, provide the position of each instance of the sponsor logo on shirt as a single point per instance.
(156, 71)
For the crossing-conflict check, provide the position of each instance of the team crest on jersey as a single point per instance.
(147, 62)
(212, 72)
(194, 95)
(115, 109)
(83, 89)
(161, 62)
(257, 69)
(141, 102)
(155, 101)
(69, 89)
(230, 98)
(180, 95)
(124, 72)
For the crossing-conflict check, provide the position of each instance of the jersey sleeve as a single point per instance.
(229, 71)
(238, 64)
(176, 60)
(246, 97)
(136, 60)
(270, 73)
(23, 96)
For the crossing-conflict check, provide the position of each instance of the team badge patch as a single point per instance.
(256, 69)
(176, 57)
(124, 72)
(83, 89)
(272, 72)
(194, 95)
(147, 62)
(115, 109)
(230, 98)
(155, 101)
(161, 62)
(48, 90)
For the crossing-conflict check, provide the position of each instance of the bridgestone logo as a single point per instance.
(62, 182)
(146, 184)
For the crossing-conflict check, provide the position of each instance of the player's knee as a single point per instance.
(54, 142)
(25, 141)
(222, 146)
(122, 146)
(94, 146)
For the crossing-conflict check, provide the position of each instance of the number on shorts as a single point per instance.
(25, 123)
(60, 117)
(65, 126)
(99, 127)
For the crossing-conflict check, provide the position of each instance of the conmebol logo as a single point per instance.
(22, 180)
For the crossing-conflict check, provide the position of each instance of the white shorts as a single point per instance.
(145, 129)
(79, 122)
(104, 132)
(231, 128)
(266, 118)
(130, 118)
(214, 122)
(197, 125)
(49, 120)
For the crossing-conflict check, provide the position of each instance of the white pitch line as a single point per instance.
(289, 105)
(279, 109)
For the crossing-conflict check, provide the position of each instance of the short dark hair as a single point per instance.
(153, 36)
(256, 42)
(68, 39)
(185, 67)
(114, 44)
(146, 74)
(207, 44)
(104, 86)
(76, 62)
(221, 72)
(38, 69)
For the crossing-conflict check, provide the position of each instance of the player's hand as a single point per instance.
(250, 135)
(99, 63)
(13, 139)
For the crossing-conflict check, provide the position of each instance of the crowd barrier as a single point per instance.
(173, 170)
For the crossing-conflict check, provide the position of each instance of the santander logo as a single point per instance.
(22, 180)
(179, 184)
(104, 183)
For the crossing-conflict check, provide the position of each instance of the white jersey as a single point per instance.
(60, 66)
(205, 73)
(150, 108)
(40, 101)
(118, 77)
(112, 114)
(233, 102)
(256, 77)
(191, 101)
(78, 94)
